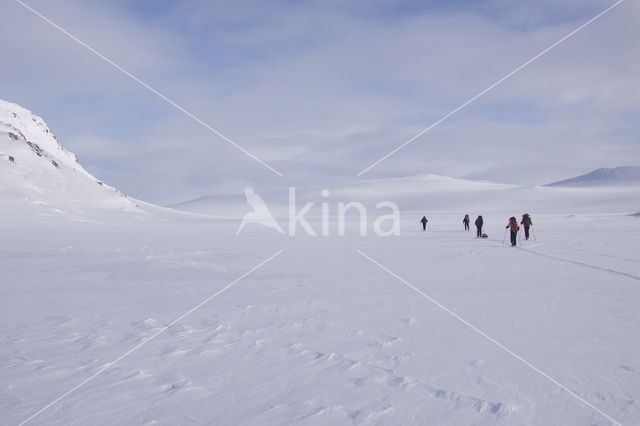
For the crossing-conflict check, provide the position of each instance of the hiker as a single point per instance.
(526, 222)
(513, 226)
(466, 222)
(479, 223)
(424, 222)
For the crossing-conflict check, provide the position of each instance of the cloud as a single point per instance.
(322, 90)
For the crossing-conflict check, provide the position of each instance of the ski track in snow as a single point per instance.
(528, 249)
(582, 264)
(596, 253)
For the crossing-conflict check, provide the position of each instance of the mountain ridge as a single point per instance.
(603, 176)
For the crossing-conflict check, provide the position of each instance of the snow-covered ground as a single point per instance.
(115, 311)
(320, 334)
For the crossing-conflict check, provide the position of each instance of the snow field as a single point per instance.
(320, 334)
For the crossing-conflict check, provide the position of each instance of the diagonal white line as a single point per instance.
(489, 88)
(148, 339)
(145, 85)
(485, 335)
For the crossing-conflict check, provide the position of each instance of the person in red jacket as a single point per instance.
(514, 228)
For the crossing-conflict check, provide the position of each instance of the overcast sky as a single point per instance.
(321, 91)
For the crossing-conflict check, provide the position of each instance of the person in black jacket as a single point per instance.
(466, 222)
(424, 222)
(526, 222)
(479, 222)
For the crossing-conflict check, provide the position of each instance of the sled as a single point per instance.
(485, 236)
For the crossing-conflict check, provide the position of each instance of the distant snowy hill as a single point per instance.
(413, 192)
(430, 193)
(37, 175)
(616, 176)
(222, 205)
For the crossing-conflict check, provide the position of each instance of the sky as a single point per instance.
(321, 90)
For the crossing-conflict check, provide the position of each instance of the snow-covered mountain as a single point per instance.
(626, 175)
(37, 175)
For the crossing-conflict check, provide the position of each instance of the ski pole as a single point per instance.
(534, 234)
(504, 238)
